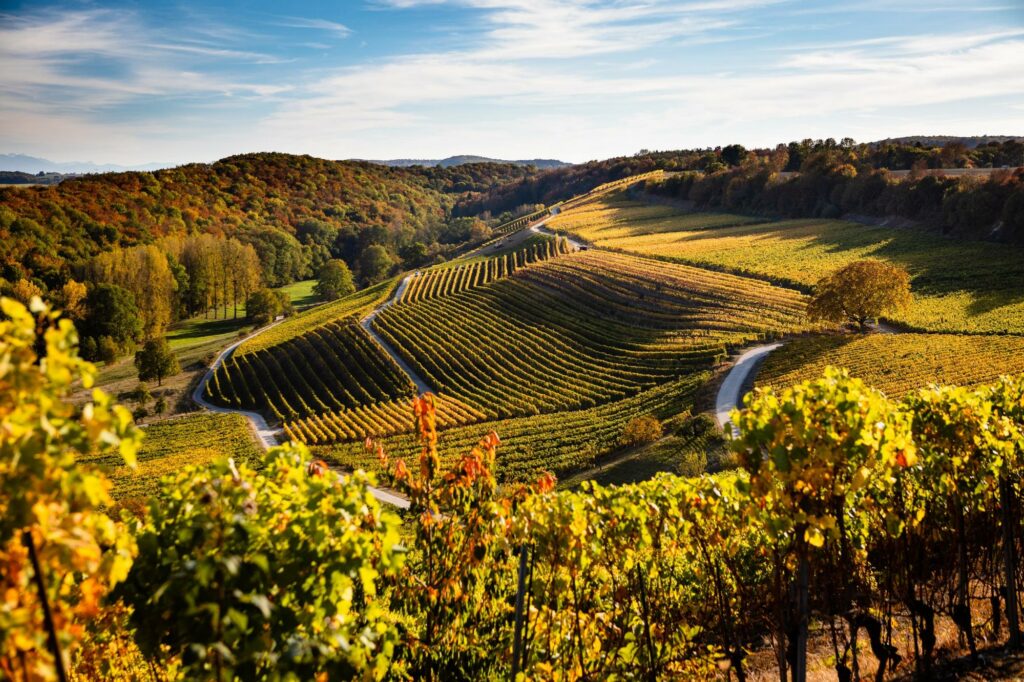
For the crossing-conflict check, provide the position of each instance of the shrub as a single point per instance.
(106, 349)
(265, 575)
(640, 431)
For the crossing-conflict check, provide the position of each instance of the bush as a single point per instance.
(269, 575)
(640, 431)
(106, 350)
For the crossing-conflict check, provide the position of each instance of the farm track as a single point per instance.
(267, 436)
(367, 324)
(730, 393)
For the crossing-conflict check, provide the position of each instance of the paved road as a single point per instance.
(367, 324)
(730, 394)
(539, 228)
(268, 436)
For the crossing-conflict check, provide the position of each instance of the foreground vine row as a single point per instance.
(851, 515)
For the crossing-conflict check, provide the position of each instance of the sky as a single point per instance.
(174, 82)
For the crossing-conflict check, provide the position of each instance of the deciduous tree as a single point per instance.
(155, 360)
(335, 281)
(859, 292)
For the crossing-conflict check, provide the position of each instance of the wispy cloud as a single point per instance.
(45, 60)
(333, 27)
(570, 78)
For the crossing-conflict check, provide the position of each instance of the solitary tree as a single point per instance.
(335, 281)
(156, 361)
(859, 292)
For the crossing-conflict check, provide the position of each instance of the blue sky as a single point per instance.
(138, 82)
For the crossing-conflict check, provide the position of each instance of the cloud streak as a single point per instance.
(571, 78)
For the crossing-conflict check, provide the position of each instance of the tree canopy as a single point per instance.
(859, 292)
(334, 281)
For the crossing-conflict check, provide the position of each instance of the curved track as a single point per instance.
(730, 393)
(268, 436)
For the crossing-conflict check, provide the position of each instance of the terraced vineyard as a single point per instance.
(958, 286)
(561, 442)
(332, 367)
(581, 330)
(375, 421)
(451, 280)
(355, 305)
(897, 363)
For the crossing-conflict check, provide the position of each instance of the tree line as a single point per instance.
(833, 184)
(806, 156)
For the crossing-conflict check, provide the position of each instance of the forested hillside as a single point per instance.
(46, 231)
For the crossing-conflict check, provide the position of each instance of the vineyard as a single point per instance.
(580, 330)
(896, 364)
(609, 187)
(375, 421)
(445, 281)
(332, 367)
(172, 445)
(521, 222)
(354, 305)
(524, 221)
(958, 286)
(561, 442)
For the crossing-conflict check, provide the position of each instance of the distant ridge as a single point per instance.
(969, 141)
(35, 164)
(469, 158)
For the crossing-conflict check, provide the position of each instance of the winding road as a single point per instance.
(730, 393)
(268, 436)
(367, 324)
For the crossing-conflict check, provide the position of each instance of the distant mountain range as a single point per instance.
(469, 158)
(34, 164)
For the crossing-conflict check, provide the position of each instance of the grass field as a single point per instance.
(170, 445)
(958, 285)
(897, 363)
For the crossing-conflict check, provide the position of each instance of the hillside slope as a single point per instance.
(44, 231)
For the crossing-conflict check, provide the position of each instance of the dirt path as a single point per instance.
(730, 393)
(267, 436)
(367, 324)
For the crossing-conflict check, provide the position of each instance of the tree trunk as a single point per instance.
(800, 662)
(1010, 559)
(44, 601)
(963, 583)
